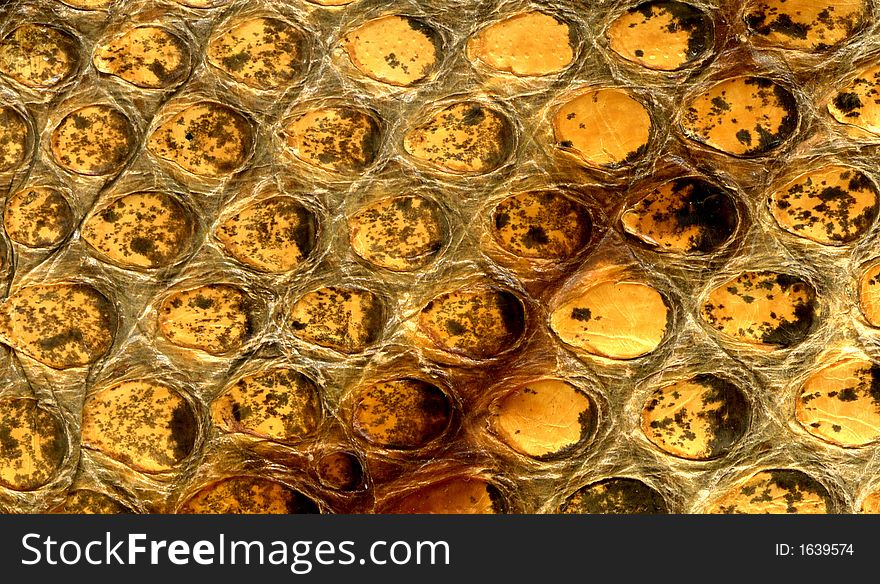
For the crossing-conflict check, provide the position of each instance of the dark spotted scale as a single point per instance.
(832, 205)
(686, 216)
(840, 402)
(278, 404)
(345, 319)
(39, 56)
(141, 423)
(543, 225)
(462, 138)
(401, 414)
(699, 418)
(62, 325)
(398, 233)
(476, 323)
(94, 140)
(213, 318)
(774, 492)
(150, 57)
(33, 444)
(140, 230)
(804, 25)
(338, 139)
(262, 53)
(38, 217)
(856, 102)
(275, 234)
(662, 35)
(394, 49)
(742, 116)
(614, 496)
(767, 310)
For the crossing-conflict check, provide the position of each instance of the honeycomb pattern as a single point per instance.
(441, 256)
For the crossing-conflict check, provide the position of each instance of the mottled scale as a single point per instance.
(94, 140)
(150, 57)
(856, 102)
(14, 139)
(541, 225)
(804, 25)
(869, 293)
(462, 138)
(206, 138)
(699, 418)
(345, 319)
(683, 216)
(213, 318)
(832, 205)
(742, 116)
(767, 310)
(144, 424)
(38, 217)
(840, 403)
(39, 56)
(33, 444)
(618, 495)
(475, 323)
(394, 49)
(276, 404)
(398, 233)
(262, 53)
(662, 35)
(274, 235)
(340, 471)
(775, 491)
(145, 230)
(401, 414)
(337, 139)
(62, 325)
